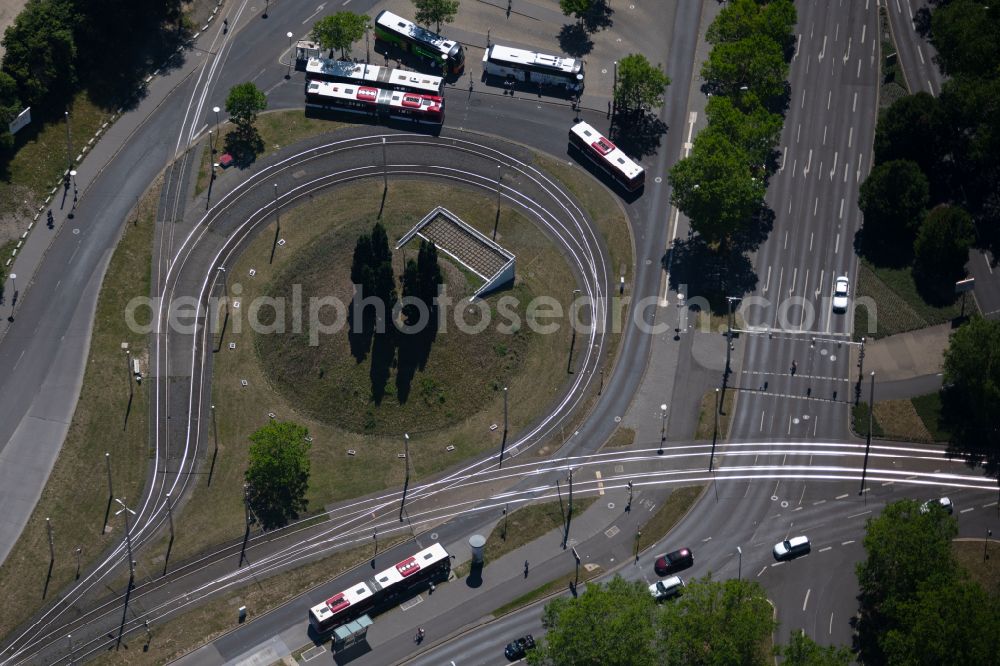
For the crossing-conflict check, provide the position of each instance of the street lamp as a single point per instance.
(986, 545)
(638, 535)
(663, 427)
(739, 567)
(267, 3)
(288, 74)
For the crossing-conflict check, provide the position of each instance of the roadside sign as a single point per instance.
(22, 119)
(963, 286)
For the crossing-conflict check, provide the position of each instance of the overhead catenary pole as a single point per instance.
(503, 440)
(385, 169)
(406, 472)
(52, 547)
(69, 147)
(246, 531)
(79, 552)
(128, 542)
(111, 492)
(288, 73)
(868, 437)
(715, 433)
(739, 567)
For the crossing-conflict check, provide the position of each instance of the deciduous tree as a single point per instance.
(337, 32)
(436, 12)
(41, 56)
(640, 84)
(609, 624)
(751, 127)
(967, 36)
(804, 651)
(893, 199)
(244, 102)
(715, 187)
(717, 622)
(576, 8)
(755, 63)
(942, 247)
(904, 547)
(970, 399)
(278, 473)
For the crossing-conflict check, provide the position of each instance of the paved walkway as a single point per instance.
(907, 364)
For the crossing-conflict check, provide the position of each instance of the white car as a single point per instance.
(943, 501)
(841, 290)
(790, 548)
(667, 587)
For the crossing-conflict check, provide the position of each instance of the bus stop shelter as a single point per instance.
(351, 633)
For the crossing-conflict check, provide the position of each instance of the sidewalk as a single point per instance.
(907, 364)
(92, 159)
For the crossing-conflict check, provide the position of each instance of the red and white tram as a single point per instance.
(376, 102)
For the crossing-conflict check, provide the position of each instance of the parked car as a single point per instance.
(668, 587)
(791, 548)
(944, 502)
(516, 649)
(841, 291)
(673, 562)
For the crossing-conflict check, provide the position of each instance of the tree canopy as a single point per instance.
(942, 249)
(893, 199)
(755, 63)
(436, 12)
(337, 32)
(715, 187)
(741, 19)
(41, 55)
(640, 84)
(750, 126)
(244, 102)
(967, 37)
(970, 399)
(804, 651)
(717, 622)
(576, 8)
(609, 624)
(277, 475)
(918, 606)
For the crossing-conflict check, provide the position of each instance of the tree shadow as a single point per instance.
(936, 290)
(383, 357)
(709, 273)
(638, 134)
(574, 40)
(360, 333)
(244, 145)
(882, 250)
(598, 17)
(413, 351)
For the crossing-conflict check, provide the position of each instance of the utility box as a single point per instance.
(476, 543)
(136, 371)
(243, 614)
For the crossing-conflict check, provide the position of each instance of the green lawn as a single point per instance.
(899, 306)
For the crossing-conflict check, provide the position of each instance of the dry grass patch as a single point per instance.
(98, 426)
(215, 514)
(898, 419)
(622, 437)
(707, 418)
(669, 514)
(523, 526)
(970, 557)
(41, 160)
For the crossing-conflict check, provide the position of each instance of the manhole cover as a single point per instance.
(774, 498)
(434, 536)
(76, 231)
(611, 505)
(658, 179)
(618, 419)
(784, 503)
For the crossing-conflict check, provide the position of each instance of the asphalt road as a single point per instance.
(828, 137)
(826, 152)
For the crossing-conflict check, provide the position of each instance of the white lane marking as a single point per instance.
(920, 52)
(845, 543)
(855, 515)
(888, 483)
(836, 249)
(761, 571)
(822, 53)
(864, 30)
(823, 550)
(318, 10)
(850, 136)
(777, 564)
(805, 602)
(841, 496)
(767, 282)
(831, 629)
(854, 104)
(600, 483)
(986, 506)
(706, 539)
(971, 508)
(819, 502)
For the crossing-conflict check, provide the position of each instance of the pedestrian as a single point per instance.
(794, 367)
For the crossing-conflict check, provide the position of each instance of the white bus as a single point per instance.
(347, 71)
(607, 156)
(530, 67)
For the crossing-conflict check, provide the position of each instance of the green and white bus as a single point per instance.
(421, 42)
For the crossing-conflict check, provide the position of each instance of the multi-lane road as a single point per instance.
(798, 478)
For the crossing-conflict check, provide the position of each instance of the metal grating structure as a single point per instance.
(472, 249)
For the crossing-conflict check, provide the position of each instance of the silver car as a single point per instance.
(790, 548)
(841, 291)
(667, 587)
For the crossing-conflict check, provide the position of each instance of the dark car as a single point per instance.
(518, 648)
(674, 562)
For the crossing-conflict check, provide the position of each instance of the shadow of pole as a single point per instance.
(48, 578)
(225, 323)
(121, 627)
(107, 514)
(128, 410)
(274, 244)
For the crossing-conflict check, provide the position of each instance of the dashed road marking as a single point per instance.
(819, 502)
(823, 550)
(855, 515)
(971, 508)
(762, 570)
(841, 496)
(805, 602)
(844, 543)
(600, 484)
